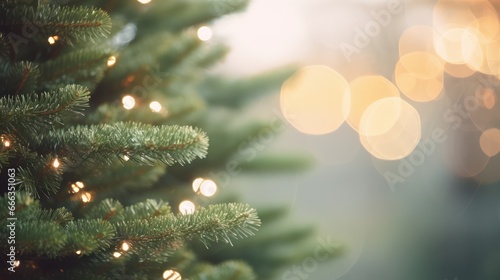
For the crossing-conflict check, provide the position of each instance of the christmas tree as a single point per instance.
(106, 109)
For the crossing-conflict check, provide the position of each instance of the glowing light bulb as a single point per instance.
(125, 246)
(171, 275)
(143, 1)
(6, 143)
(111, 61)
(186, 207)
(78, 252)
(80, 184)
(196, 184)
(17, 263)
(155, 106)
(86, 197)
(53, 39)
(56, 163)
(205, 33)
(128, 102)
(117, 254)
(208, 188)
(75, 188)
(125, 158)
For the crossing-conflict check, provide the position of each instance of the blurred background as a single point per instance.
(396, 100)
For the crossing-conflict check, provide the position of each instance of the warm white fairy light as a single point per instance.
(208, 188)
(155, 106)
(196, 184)
(128, 102)
(86, 197)
(78, 252)
(17, 263)
(125, 246)
(111, 61)
(117, 254)
(6, 143)
(143, 1)
(187, 207)
(75, 188)
(205, 33)
(53, 39)
(125, 158)
(171, 275)
(56, 163)
(80, 184)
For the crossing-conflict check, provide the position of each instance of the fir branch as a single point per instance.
(101, 144)
(107, 210)
(34, 112)
(89, 236)
(84, 66)
(229, 270)
(71, 24)
(20, 78)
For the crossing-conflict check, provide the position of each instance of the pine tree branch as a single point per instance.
(101, 144)
(71, 24)
(229, 270)
(20, 78)
(34, 112)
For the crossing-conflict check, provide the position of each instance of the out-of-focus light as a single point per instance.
(490, 142)
(17, 263)
(208, 188)
(315, 100)
(117, 254)
(128, 102)
(125, 246)
(143, 1)
(155, 106)
(196, 184)
(187, 207)
(86, 197)
(52, 39)
(111, 61)
(78, 252)
(171, 275)
(205, 33)
(56, 163)
(126, 158)
(6, 143)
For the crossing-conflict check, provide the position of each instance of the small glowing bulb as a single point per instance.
(125, 246)
(128, 102)
(78, 252)
(111, 61)
(208, 188)
(155, 106)
(80, 184)
(75, 188)
(86, 197)
(125, 158)
(6, 143)
(117, 254)
(171, 275)
(196, 184)
(56, 163)
(205, 33)
(53, 39)
(17, 263)
(143, 1)
(187, 207)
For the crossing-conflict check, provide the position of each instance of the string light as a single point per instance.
(78, 252)
(77, 186)
(205, 33)
(125, 158)
(17, 263)
(56, 163)
(53, 39)
(186, 207)
(86, 197)
(196, 184)
(128, 102)
(171, 275)
(125, 246)
(111, 61)
(6, 143)
(117, 254)
(208, 188)
(143, 1)
(155, 106)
